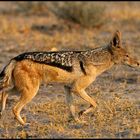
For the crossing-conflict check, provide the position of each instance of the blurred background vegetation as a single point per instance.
(86, 14)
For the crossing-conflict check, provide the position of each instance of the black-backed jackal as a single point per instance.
(76, 69)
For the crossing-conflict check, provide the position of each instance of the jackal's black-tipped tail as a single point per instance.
(6, 75)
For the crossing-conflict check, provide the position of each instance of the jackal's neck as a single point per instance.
(98, 56)
(101, 58)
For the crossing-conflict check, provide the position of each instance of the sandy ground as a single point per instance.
(116, 90)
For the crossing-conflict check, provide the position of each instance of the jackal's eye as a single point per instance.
(127, 55)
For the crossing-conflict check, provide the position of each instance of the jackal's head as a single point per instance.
(119, 53)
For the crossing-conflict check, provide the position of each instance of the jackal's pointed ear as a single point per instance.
(116, 40)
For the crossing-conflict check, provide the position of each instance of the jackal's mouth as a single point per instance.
(136, 65)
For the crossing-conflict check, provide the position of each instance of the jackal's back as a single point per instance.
(65, 58)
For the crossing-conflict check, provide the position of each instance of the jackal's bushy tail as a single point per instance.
(6, 76)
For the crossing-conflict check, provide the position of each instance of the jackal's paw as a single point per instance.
(26, 126)
(81, 113)
(23, 127)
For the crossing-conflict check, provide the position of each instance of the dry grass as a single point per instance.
(114, 118)
(116, 91)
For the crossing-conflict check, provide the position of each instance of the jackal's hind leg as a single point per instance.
(3, 101)
(28, 87)
(26, 97)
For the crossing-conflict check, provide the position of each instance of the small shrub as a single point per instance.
(88, 14)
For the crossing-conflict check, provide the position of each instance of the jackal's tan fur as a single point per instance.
(76, 69)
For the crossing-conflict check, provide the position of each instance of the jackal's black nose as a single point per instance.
(138, 64)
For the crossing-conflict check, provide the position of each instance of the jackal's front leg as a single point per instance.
(79, 88)
(69, 100)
